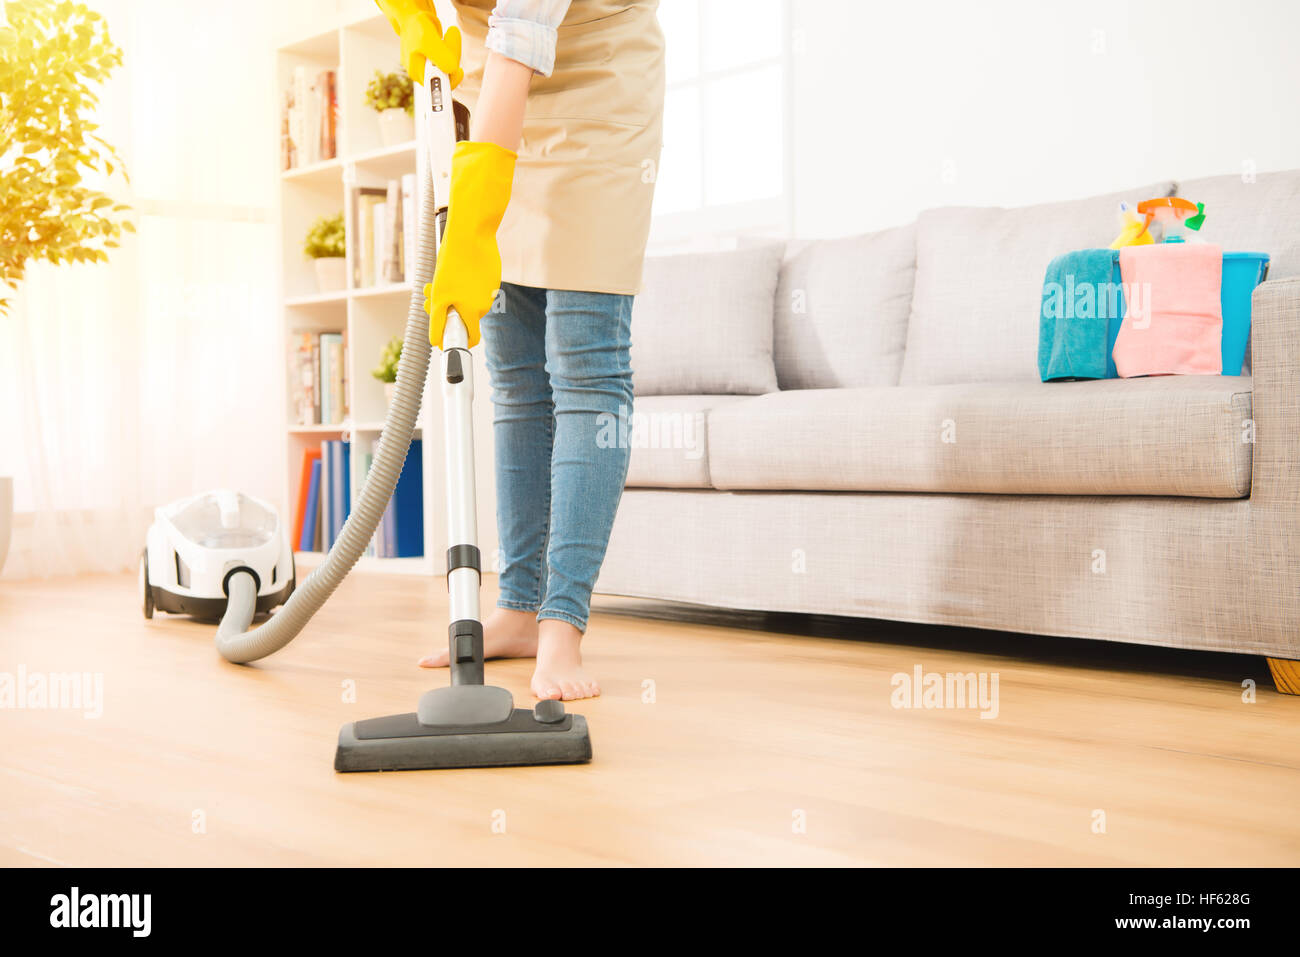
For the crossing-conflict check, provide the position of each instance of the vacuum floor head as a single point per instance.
(400, 742)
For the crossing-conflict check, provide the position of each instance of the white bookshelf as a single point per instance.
(354, 49)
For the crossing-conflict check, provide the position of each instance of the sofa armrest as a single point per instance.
(1275, 404)
(1273, 535)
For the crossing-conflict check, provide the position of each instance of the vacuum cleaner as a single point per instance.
(467, 724)
(197, 545)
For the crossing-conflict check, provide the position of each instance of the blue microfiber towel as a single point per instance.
(1082, 307)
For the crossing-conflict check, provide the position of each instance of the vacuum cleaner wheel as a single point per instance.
(146, 591)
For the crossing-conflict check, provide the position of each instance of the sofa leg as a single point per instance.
(1286, 675)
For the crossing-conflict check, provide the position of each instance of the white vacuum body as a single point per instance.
(196, 544)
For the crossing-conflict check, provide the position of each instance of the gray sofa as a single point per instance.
(856, 427)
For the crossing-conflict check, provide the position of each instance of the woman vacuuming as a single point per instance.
(566, 98)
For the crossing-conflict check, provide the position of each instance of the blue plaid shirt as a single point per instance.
(524, 30)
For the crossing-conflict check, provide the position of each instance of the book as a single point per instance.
(364, 249)
(326, 495)
(392, 233)
(339, 403)
(388, 528)
(309, 124)
(315, 372)
(338, 468)
(408, 506)
(408, 227)
(300, 119)
(302, 378)
(287, 159)
(369, 460)
(331, 378)
(318, 538)
(328, 107)
(309, 458)
(343, 377)
(379, 228)
(307, 536)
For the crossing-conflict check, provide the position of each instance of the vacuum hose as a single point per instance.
(234, 641)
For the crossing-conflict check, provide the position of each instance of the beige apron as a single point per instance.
(579, 212)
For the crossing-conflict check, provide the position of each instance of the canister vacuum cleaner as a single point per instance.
(467, 724)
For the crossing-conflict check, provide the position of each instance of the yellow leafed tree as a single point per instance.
(53, 54)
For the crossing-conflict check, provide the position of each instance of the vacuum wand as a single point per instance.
(464, 568)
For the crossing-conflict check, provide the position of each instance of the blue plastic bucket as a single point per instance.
(1242, 272)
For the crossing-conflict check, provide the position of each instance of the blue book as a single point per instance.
(388, 531)
(347, 478)
(337, 489)
(408, 506)
(326, 495)
(307, 540)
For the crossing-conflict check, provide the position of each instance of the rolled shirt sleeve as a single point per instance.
(525, 31)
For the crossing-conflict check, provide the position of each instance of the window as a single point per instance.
(724, 167)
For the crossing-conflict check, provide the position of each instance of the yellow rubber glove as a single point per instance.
(468, 273)
(416, 25)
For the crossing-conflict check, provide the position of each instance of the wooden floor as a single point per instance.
(717, 735)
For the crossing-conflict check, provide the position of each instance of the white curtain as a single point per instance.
(128, 385)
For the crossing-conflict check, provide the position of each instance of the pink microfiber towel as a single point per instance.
(1172, 322)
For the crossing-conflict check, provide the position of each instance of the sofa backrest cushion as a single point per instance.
(841, 310)
(1261, 215)
(979, 283)
(702, 323)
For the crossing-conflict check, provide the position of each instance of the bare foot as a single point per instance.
(507, 633)
(559, 671)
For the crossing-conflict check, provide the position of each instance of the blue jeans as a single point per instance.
(562, 396)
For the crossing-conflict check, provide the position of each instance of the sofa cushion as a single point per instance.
(702, 323)
(841, 310)
(1167, 435)
(979, 284)
(1258, 216)
(668, 435)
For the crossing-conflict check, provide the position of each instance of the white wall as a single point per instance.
(1020, 101)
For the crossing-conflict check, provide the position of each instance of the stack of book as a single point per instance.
(318, 379)
(309, 121)
(325, 501)
(324, 495)
(384, 243)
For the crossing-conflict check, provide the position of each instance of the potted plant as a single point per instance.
(386, 371)
(327, 245)
(392, 95)
(54, 54)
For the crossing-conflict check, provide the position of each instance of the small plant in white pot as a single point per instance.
(327, 245)
(392, 95)
(386, 371)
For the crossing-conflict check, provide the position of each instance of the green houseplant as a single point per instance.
(326, 243)
(53, 53)
(386, 371)
(392, 96)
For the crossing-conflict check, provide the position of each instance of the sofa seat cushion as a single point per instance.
(668, 436)
(1167, 435)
